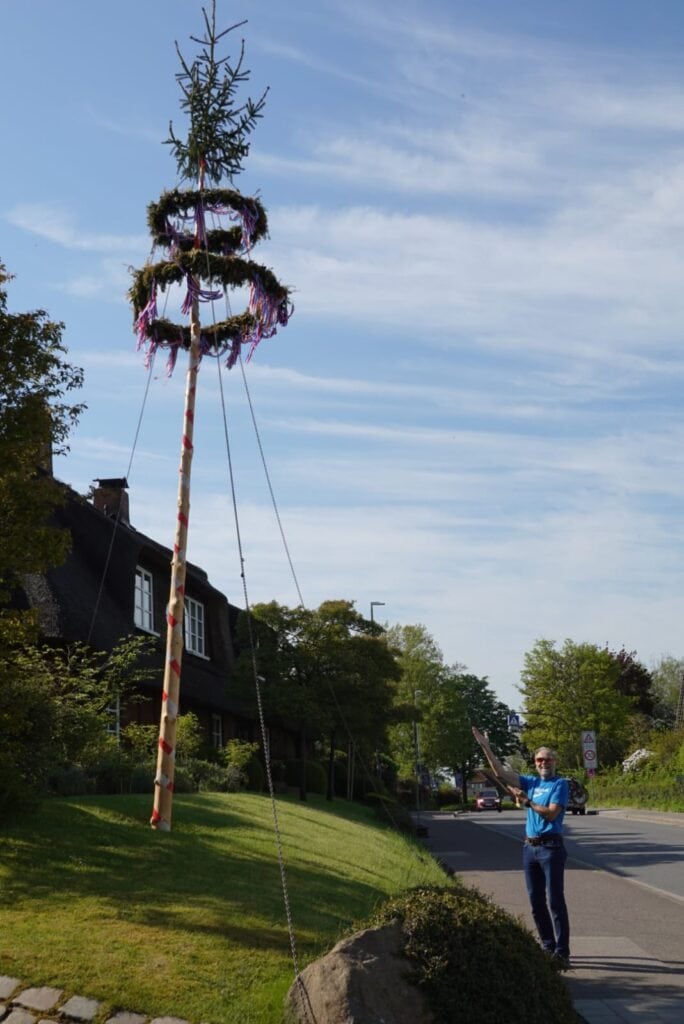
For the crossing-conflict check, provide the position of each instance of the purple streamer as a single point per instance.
(194, 292)
(146, 316)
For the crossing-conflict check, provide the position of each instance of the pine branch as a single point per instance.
(218, 129)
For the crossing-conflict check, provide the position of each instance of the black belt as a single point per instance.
(544, 840)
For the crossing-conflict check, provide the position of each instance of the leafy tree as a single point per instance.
(467, 700)
(327, 669)
(189, 737)
(34, 419)
(667, 675)
(634, 681)
(422, 672)
(572, 689)
(54, 708)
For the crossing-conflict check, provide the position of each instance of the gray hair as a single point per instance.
(547, 750)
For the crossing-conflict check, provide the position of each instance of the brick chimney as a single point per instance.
(111, 497)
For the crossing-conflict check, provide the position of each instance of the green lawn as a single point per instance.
(190, 923)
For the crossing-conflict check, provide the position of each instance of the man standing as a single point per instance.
(545, 796)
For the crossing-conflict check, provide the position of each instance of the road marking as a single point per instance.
(596, 867)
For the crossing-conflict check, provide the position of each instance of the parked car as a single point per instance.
(488, 800)
(578, 797)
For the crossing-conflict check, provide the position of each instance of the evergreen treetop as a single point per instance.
(216, 143)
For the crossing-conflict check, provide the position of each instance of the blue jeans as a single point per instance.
(544, 876)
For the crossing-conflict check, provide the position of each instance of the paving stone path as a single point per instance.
(21, 1005)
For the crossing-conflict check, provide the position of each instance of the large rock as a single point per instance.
(363, 980)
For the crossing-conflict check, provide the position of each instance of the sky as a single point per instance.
(474, 414)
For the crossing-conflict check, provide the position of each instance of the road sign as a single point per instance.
(589, 749)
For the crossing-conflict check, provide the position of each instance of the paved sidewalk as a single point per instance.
(627, 942)
(20, 1004)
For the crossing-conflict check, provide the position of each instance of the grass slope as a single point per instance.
(190, 923)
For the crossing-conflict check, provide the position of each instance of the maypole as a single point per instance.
(208, 261)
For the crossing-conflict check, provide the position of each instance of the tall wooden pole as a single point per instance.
(166, 753)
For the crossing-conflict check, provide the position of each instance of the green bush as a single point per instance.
(474, 961)
(113, 772)
(183, 781)
(239, 753)
(26, 735)
(70, 780)
(209, 777)
(650, 788)
(142, 778)
(448, 795)
(316, 778)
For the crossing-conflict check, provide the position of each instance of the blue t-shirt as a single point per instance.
(544, 792)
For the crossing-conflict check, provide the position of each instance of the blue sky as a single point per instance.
(474, 414)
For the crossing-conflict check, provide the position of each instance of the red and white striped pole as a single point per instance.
(166, 753)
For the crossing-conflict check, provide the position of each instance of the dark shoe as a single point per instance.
(562, 962)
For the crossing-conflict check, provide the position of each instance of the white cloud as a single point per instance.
(58, 225)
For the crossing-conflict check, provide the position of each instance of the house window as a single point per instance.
(194, 627)
(216, 731)
(114, 718)
(143, 611)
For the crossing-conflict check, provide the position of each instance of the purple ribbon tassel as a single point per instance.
(194, 292)
(248, 222)
(146, 316)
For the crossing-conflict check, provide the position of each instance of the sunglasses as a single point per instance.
(544, 760)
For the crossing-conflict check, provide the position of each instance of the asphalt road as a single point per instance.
(625, 894)
(646, 849)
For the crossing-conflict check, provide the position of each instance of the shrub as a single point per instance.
(69, 780)
(188, 736)
(239, 753)
(142, 778)
(141, 740)
(448, 795)
(454, 937)
(26, 731)
(653, 787)
(183, 781)
(209, 777)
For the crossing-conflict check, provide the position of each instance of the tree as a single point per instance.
(54, 708)
(572, 689)
(467, 700)
(667, 675)
(327, 669)
(634, 681)
(422, 673)
(35, 418)
(218, 129)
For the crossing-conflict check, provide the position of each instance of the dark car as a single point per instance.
(488, 800)
(578, 797)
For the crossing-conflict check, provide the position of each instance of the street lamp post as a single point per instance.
(375, 604)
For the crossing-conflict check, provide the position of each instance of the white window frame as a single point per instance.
(114, 718)
(143, 601)
(216, 731)
(194, 627)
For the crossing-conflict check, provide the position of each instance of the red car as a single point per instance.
(488, 800)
